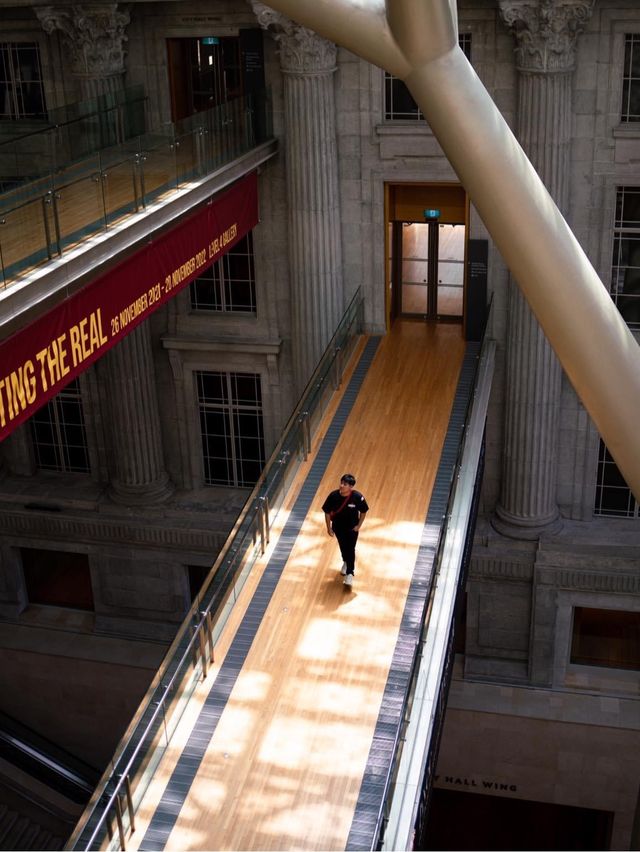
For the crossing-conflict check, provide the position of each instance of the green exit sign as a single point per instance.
(431, 214)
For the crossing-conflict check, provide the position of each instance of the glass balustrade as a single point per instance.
(110, 815)
(70, 200)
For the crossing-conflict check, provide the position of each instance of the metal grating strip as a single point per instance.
(363, 832)
(179, 784)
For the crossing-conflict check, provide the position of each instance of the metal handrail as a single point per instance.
(73, 114)
(27, 237)
(199, 616)
(472, 413)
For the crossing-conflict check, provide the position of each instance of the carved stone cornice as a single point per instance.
(301, 50)
(500, 569)
(93, 34)
(176, 538)
(620, 582)
(546, 32)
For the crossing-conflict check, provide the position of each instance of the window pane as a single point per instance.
(240, 296)
(399, 104)
(216, 448)
(232, 431)
(238, 267)
(613, 495)
(58, 433)
(21, 90)
(229, 285)
(55, 578)
(628, 207)
(246, 388)
(212, 388)
(630, 110)
(206, 292)
(625, 264)
(606, 637)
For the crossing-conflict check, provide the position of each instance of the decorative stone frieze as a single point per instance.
(94, 40)
(94, 35)
(497, 569)
(301, 50)
(30, 527)
(546, 31)
(619, 582)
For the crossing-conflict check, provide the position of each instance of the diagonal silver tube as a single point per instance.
(416, 40)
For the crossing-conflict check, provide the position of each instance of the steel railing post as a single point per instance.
(118, 805)
(130, 808)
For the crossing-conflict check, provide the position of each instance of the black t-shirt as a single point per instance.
(348, 518)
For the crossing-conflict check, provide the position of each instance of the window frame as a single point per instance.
(580, 654)
(630, 84)
(55, 410)
(597, 593)
(625, 231)
(16, 88)
(219, 275)
(40, 566)
(607, 466)
(233, 412)
(391, 84)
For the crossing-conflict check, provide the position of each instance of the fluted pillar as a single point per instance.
(546, 32)
(94, 42)
(315, 241)
(138, 475)
(94, 39)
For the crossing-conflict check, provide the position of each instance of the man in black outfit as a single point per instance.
(344, 512)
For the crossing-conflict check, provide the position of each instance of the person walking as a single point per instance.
(344, 513)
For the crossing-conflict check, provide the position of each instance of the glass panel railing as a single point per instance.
(95, 190)
(72, 132)
(159, 164)
(111, 812)
(77, 203)
(120, 181)
(415, 747)
(27, 222)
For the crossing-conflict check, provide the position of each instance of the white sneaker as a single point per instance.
(348, 580)
(343, 570)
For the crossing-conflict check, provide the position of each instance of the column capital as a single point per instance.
(301, 50)
(546, 32)
(93, 33)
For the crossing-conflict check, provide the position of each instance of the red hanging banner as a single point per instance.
(40, 359)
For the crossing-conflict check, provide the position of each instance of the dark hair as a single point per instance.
(348, 479)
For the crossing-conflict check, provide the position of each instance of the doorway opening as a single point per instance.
(427, 236)
(208, 71)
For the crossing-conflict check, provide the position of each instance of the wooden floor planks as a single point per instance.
(284, 766)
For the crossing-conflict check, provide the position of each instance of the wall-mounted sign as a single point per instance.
(40, 359)
(431, 213)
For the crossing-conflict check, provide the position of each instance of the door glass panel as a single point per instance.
(415, 261)
(451, 270)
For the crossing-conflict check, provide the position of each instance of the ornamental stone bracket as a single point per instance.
(301, 50)
(94, 36)
(546, 32)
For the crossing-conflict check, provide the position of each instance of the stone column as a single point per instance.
(137, 472)
(546, 33)
(93, 37)
(315, 238)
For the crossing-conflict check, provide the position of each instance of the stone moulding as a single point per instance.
(18, 525)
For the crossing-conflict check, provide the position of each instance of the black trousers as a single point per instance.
(347, 540)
